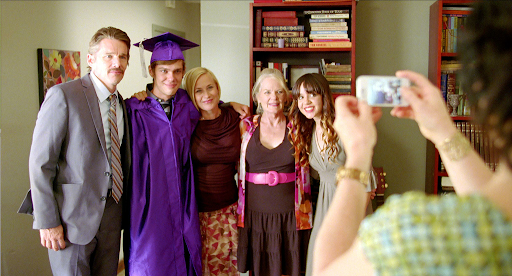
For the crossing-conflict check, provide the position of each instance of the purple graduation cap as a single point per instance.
(166, 46)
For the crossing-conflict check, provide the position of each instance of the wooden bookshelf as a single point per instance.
(304, 56)
(439, 52)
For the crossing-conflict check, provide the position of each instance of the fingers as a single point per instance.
(141, 96)
(376, 114)
(53, 238)
(346, 106)
(414, 77)
(61, 243)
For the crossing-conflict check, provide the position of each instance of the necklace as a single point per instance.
(321, 149)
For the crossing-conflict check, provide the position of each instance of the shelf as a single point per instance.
(448, 55)
(297, 57)
(433, 173)
(461, 118)
(302, 4)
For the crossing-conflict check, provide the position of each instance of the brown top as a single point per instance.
(215, 151)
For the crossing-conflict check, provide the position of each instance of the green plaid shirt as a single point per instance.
(416, 234)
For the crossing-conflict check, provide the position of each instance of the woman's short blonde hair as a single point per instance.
(189, 82)
(271, 73)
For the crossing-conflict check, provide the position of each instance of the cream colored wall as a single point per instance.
(393, 35)
(225, 48)
(67, 25)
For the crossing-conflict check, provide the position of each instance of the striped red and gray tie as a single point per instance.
(115, 162)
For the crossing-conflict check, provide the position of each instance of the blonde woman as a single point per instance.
(215, 148)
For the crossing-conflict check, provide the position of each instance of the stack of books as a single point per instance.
(338, 75)
(280, 25)
(329, 28)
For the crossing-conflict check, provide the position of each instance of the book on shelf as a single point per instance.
(324, 11)
(326, 20)
(329, 28)
(283, 34)
(283, 28)
(446, 182)
(338, 82)
(338, 78)
(330, 15)
(457, 8)
(328, 36)
(331, 44)
(286, 45)
(339, 73)
(257, 28)
(270, 14)
(331, 40)
(450, 65)
(268, 1)
(257, 69)
(338, 68)
(280, 21)
(327, 32)
(286, 39)
(341, 91)
(339, 86)
(328, 24)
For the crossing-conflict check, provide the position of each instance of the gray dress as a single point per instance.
(326, 171)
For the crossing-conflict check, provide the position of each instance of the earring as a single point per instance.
(259, 109)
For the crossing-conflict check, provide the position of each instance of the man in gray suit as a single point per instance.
(76, 186)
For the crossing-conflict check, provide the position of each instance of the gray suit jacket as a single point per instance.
(68, 163)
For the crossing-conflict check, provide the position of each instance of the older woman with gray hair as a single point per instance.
(274, 199)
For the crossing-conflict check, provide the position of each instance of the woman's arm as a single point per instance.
(338, 232)
(467, 170)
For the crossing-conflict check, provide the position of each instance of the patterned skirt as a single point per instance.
(219, 237)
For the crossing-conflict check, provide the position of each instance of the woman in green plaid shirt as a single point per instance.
(469, 233)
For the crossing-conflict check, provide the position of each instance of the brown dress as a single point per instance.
(270, 243)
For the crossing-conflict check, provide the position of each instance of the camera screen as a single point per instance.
(384, 91)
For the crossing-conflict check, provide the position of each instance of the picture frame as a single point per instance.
(55, 67)
(296, 71)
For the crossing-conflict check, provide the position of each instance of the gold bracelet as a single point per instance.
(455, 147)
(362, 177)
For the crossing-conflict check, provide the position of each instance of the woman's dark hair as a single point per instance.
(304, 127)
(486, 56)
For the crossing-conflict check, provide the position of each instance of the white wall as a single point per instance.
(67, 25)
(225, 46)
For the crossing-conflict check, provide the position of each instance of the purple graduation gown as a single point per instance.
(163, 236)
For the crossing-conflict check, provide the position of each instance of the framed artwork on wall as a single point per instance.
(56, 66)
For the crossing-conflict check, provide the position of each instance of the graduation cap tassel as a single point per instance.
(142, 60)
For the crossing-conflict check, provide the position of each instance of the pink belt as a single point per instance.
(271, 178)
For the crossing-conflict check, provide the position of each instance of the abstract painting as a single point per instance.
(56, 66)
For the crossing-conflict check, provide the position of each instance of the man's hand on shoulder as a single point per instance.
(53, 238)
(241, 109)
(142, 95)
